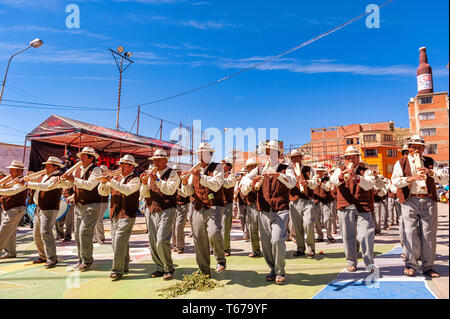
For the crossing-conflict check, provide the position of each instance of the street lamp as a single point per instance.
(120, 66)
(36, 43)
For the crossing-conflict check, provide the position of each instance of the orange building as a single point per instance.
(428, 117)
(376, 141)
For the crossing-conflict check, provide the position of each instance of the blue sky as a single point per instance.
(355, 75)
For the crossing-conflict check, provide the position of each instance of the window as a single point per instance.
(357, 141)
(428, 131)
(349, 141)
(387, 137)
(426, 116)
(391, 153)
(370, 138)
(431, 149)
(425, 100)
(370, 152)
(391, 126)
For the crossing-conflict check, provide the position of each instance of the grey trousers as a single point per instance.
(178, 226)
(8, 230)
(393, 210)
(334, 215)
(420, 218)
(357, 228)
(323, 218)
(242, 215)
(272, 228)
(64, 227)
(227, 221)
(43, 222)
(302, 216)
(121, 229)
(86, 217)
(207, 227)
(381, 215)
(252, 221)
(99, 233)
(159, 234)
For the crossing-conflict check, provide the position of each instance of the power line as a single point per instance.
(254, 66)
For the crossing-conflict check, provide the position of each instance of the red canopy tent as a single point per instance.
(57, 134)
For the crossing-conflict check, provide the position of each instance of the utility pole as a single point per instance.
(123, 56)
(160, 130)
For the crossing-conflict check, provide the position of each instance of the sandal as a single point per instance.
(409, 271)
(39, 261)
(431, 273)
(351, 268)
(253, 255)
(157, 274)
(298, 253)
(280, 279)
(270, 277)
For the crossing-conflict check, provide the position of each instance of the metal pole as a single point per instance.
(160, 130)
(139, 113)
(7, 68)
(24, 150)
(120, 89)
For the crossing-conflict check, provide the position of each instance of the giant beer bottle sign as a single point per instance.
(424, 82)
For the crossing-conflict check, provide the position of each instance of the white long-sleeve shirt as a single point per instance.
(168, 187)
(16, 189)
(398, 180)
(104, 189)
(366, 182)
(214, 182)
(288, 179)
(88, 184)
(230, 181)
(43, 185)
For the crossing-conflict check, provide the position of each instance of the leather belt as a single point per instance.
(421, 195)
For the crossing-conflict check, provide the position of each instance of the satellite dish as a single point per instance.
(120, 49)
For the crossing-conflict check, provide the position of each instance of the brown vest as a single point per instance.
(228, 193)
(159, 201)
(122, 206)
(18, 200)
(85, 197)
(350, 192)
(273, 194)
(295, 193)
(404, 193)
(320, 195)
(182, 200)
(204, 197)
(49, 200)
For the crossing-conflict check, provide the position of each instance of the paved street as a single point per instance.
(322, 276)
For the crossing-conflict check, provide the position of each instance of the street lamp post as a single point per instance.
(36, 43)
(121, 69)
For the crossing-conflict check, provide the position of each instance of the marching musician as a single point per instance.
(47, 201)
(417, 194)
(99, 232)
(85, 180)
(205, 185)
(229, 182)
(323, 200)
(124, 190)
(14, 205)
(2, 175)
(241, 210)
(252, 213)
(302, 205)
(380, 207)
(355, 203)
(273, 205)
(159, 188)
(183, 203)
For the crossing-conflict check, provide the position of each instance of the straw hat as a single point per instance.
(104, 168)
(53, 160)
(351, 150)
(159, 154)
(89, 151)
(228, 160)
(274, 145)
(17, 165)
(416, 139)
(175, 167)
(321, 167)
(296, 152)
(404, 148)
(2, 172)
(204, 147)
(251, 161)
(128, 159)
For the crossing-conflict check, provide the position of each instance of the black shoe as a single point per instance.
(319, 240)
(157, 274)
(298, 253)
